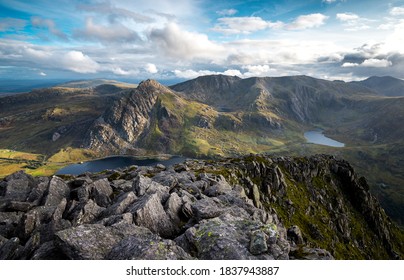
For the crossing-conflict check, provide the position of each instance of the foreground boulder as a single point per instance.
(253, 207)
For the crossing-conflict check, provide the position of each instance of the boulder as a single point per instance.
(149, 212)
(57, 191)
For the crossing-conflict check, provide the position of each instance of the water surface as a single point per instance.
(317, 137)
(115, 162)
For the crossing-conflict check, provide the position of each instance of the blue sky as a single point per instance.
(168, 40)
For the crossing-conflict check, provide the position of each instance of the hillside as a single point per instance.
(385, 86)
(217, 116)
(253, 207)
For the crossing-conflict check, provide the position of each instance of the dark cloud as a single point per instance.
(49, 25)
(107, 34)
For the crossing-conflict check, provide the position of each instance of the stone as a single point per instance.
(121, 203)
(218, 188)
(173, 208)
(57, 191)
(206, 209)
(48, 251)
(143, 185)
(86, 213)
(18, 186)
(10, 223)
(101, 192)
(143, 244)
(11, 249)
(87, 242)
(258, 242)
(149, 212)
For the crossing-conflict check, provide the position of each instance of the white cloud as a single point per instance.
(347, 16)
(308, 21)
(257, 71)
(151, 68)
(42, 74)
(349, 64)
(371, 62)
(329, 1)
(191, 74)
(379, 63)
(353, 22)
(78, 62)
(247, 25)
(175, 43)
(397, 11)
(251, 71)
(227, 12)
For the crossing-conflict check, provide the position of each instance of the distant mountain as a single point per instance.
(94, 83)
(16, 86)
(385, 86)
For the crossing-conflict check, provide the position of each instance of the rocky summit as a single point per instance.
(251, 207)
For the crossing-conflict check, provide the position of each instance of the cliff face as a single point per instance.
(121, 124)
(252, 207)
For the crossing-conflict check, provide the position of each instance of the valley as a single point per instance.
(211, 117)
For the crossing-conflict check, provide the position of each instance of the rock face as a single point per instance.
(252, 207)
(121, 124)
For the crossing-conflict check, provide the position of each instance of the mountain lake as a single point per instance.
(115, 162)
(317, 137)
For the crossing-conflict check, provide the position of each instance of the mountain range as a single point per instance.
(218, 116)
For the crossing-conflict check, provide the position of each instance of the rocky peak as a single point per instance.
(150, 86)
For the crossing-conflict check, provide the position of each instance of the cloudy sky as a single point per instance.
(183, 39)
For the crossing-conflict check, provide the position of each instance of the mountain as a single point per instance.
(385, 86)
(94, 83)
(217, 116)
(251, 207)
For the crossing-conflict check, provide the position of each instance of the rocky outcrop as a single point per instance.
(252, 207)
(121, 124)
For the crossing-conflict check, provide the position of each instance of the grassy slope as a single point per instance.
(37, 165)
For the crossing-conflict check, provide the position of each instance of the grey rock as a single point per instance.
(218, 188)
(149, 212)
(19, 206)
(57, 191)
(19, 186)
(122, 202)
(122, 185)
(38, 191)
(86, 213)
(9, 223)
(48, 251)
(87, 242)
(207, 209)
(143, 244)
(173, 208)
(258, 242)
(11, 249)
(224, 237)
(143, 185)
(101, 192)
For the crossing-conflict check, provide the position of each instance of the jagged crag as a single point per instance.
(252, 207)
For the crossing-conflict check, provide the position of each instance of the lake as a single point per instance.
(114, 162)
(317, 137)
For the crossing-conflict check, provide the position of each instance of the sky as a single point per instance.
(182, 39)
